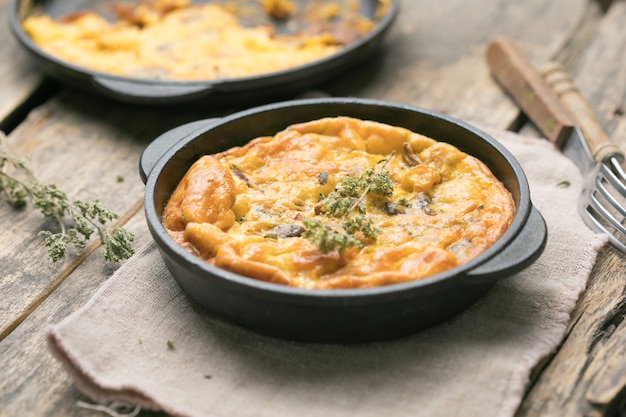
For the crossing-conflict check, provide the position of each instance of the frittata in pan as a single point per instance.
(339, 203)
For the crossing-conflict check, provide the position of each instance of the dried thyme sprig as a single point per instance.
(351, 192)
(77, 220)
(341, 203)
(328, 239)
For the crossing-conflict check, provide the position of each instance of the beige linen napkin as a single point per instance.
(141, 340)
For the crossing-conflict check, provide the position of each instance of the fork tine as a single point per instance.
(603, 206)
(599, 218)
(618, 168)
(614, 173)
(602, 189)
(606, 214)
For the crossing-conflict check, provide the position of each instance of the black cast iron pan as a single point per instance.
(341, 315)
(247, 89)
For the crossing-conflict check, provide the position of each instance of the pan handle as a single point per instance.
(147, 92)
(523, 250)
(159, 146)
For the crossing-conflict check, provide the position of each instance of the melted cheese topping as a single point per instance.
(175, 39)
(243, 209)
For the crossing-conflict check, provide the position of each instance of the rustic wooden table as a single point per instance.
(433, 58)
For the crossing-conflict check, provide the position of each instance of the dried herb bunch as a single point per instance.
(77, 220)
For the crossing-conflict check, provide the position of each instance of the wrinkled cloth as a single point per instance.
(142, 341)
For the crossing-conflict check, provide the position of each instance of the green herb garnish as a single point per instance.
(351, 192)
(349, 196)
(77, 220)
(362, 224)
(327, 238)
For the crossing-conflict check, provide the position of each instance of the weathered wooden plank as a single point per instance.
(434, 57)
(19, 76)
(586, 377)
(36, 384)
(84, 145)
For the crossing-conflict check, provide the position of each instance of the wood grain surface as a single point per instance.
(433, 58)
(587, 376)
(20, 79)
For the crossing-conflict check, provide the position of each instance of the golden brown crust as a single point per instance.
(205, 195)
(452, 209)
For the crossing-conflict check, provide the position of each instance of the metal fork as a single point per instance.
(558, 109)
(603, 201)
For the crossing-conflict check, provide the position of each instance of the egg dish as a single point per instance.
(338, 203)
(183, 40)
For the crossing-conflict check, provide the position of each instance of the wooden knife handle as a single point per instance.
(529, 90)
(560, 82)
